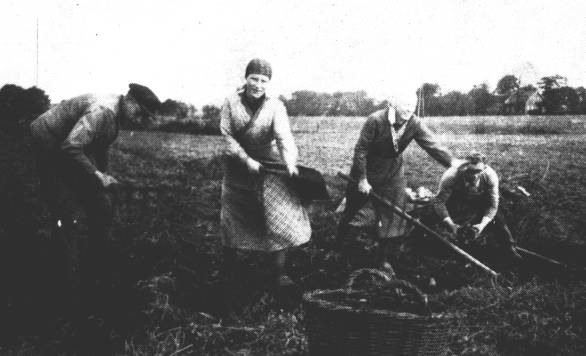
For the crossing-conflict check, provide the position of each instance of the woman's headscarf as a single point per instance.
(259, 66)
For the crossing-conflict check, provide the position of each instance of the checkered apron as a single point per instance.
(269, 218)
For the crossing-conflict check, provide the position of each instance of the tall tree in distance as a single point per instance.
(507, 85)
(455, 103)
(581, 92)
(429, 90)
(482, 98)
(557, 98)
(552, 81)
(427, 97)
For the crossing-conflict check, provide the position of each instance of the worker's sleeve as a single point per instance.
(361, 149)
(284, 136)
(85, 133)
(426, 139)
(102, 159)
(231, 146)
(493, 194)
(445, 190)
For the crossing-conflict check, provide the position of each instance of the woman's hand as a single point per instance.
(364, 187)
(254, 166)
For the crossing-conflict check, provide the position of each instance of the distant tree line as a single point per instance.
(19, 106)
(310, 103)
(552, 96)
(176, 116)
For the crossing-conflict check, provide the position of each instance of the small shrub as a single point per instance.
(20, 106)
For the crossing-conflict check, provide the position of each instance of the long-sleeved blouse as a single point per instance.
(267, 138)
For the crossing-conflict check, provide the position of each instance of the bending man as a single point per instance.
(71, 142)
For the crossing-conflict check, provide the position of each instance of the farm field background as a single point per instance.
(165, 254)
(534, 316)
(327, 143)
(558, 161)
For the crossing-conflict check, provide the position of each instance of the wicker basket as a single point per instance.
(334, 328)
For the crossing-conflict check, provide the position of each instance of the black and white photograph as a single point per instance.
(310, 177)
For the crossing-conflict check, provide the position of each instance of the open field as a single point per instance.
(574, 124)
(550, 166)
(557, 161)
(166, 252)
(328, 143)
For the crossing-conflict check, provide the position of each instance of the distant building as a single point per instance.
(524, 100)
(534, 104)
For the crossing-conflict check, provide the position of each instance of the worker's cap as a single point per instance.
(475, 162)
(144, 97)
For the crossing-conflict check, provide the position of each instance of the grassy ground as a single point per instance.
(514, 320)
(165, 255)
(462, 125)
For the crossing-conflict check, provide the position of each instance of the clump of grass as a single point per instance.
(533, 318)
(168, 342)
(276, 333)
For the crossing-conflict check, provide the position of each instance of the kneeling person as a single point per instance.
(469, 193)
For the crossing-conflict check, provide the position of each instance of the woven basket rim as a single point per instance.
(313, 298)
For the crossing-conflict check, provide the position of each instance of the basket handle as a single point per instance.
(410, 289)
(384, 276)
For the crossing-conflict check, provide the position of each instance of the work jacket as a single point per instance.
(378, 152)
(82, 128)
(455, 199)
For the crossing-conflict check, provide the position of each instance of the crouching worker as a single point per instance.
(467, 202)
(71, 143)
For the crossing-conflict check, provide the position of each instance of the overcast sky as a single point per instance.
(196, 51)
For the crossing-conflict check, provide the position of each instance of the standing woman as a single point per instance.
(260, 212)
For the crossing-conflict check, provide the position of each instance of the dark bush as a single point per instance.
(20, 106)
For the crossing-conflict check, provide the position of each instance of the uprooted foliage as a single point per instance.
(534, 318)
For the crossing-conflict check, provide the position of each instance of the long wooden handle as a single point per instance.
(416, 222)
(541, 257)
